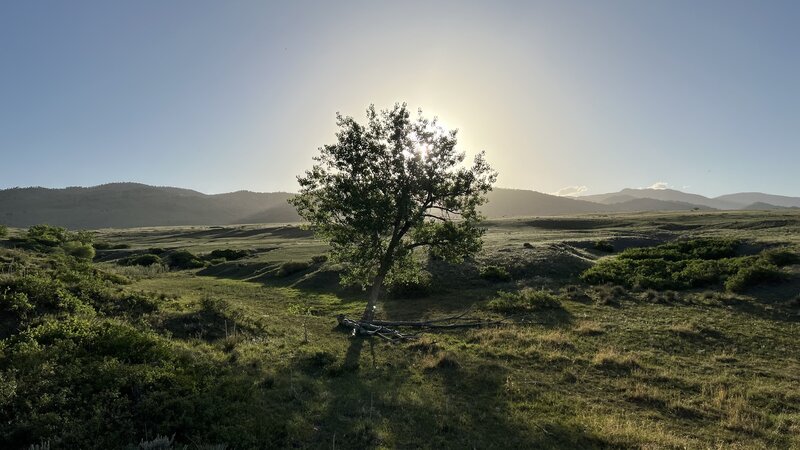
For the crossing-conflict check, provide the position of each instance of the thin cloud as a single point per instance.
(659, 185)
(570, 191)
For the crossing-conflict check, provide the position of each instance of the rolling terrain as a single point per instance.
(130, 205)
(243, 341)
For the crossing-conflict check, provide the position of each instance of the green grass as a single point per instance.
(245, 358)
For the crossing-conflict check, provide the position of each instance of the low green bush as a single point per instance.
(495, 274)
(47, 235)
(148, 259)
(319, 259)
(603, 246)
(754, 274)
(780, 257)
(184, 259)
(79, 250)
(109, 246)
(102, 245)
(228, 254)
(3, 231)
(416, 288)
(689, 264)
(292, 267)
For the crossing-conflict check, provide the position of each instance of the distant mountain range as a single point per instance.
(743, 200)
(126, 205)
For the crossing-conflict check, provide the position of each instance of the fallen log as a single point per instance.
(386, 329)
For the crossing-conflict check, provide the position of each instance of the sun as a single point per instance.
(422, 149)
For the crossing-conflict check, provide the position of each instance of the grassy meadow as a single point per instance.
(616, 333)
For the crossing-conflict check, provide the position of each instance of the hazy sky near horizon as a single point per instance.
(570, 96)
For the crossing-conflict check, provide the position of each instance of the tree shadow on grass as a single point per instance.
(373, 400)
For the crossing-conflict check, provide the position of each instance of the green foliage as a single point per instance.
(753, 274)
(780, 256)
(523, 301)
(319, 259)
(292, 267)
(603, 246)
(688, 264)
(75, 364)
(109, 246)
(495, 274)
(702, 248)
(79, 250)
(388, 187)
(102, 245)
(47, 235)
(184, 259)
(228, 254)
(3, 231)
(147, 259)
(412, 288)
(53, 239)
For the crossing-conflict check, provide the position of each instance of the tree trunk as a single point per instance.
(369, 311)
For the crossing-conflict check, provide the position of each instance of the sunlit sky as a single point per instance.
(589, 97)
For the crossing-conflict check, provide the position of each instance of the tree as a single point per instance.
(388, 189)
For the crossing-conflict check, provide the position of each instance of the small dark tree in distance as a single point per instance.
(388, 188)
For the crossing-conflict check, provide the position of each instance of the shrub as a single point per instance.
(780, 257)
(109, 246)
(184, 259)
(754, 274)
(147, 259)
(228, 254)
(3, 231)
(102, 246)
(292, 267)
(319, 259)
(699, 272)
(689, 264)
(419, 287)
(47, 235)
(524, 300)
(495, 274)
(79, 250)
(16, 303)
(603, 246)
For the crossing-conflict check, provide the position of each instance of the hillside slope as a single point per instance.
(128, 205)
(124, 205)
(749, 198)
(669, 195)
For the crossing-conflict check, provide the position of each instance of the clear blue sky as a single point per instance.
(220, 96)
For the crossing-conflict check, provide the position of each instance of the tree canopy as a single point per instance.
(388, 187)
